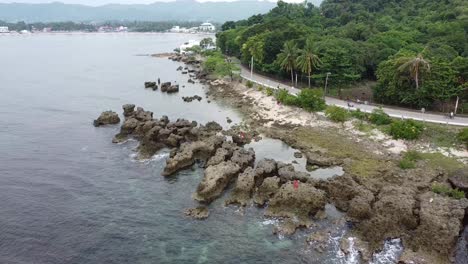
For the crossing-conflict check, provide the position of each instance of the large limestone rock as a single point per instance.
(459, 179)
(267, 190)
(128, 109)
(216, 179)
(442, 216)
(286, 172)
(244, 186)
(107, 118)
(300, 202)
(393, 214)
(189, 152)
(318, 159)
(265, 168)
(243, 157)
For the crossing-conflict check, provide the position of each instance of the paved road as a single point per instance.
(398, 113)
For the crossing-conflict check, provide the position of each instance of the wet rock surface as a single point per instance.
(244, 187)
(200, 212)
(215, 180)
(189, 99)
(107, 118)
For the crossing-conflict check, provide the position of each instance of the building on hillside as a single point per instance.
(4, 30)
(47, 29)
(207, 27)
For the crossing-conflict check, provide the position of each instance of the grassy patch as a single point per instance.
(437, 160)
(366, 167)
(409, 160)
(444, 190)
(364, 162)
(440, 135)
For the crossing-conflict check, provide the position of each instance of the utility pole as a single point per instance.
(296, 79)
(326, 84)
(251, 69)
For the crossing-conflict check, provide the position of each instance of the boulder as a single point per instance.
(172, 89)
(213, 126)
(244, 186)
(440, 222)
(142, 115)
(164, 86)
(221, 155)
(393, 214)
(300, 202)
(128, 110)
(318, 159)
(150, 84)
(200, 212)
(459, 179)
(107, 118)
(244, 158)
(265, 168)
(216, 179)
(189, 152)
(266, 191)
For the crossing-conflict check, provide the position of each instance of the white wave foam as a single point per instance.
(391, 252)
(156, 157)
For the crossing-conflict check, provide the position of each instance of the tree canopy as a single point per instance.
(416, 50)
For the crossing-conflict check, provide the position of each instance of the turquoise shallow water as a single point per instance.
(71, 196)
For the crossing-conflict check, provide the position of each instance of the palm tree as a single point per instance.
(287, 58)
(307, 60)
(415, 65)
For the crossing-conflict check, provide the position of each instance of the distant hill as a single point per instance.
(180, 10)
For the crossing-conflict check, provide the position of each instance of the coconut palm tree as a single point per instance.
(415, 65)
(287, 58)
(307, 59)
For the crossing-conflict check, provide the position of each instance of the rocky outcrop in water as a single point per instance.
(244, 187)
(216, 179)
(200, 212)
(191, 98)
(151, 85)
(107, 118)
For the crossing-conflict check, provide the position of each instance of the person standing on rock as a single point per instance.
(159, 81)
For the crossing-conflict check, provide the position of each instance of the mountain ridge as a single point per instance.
(185, 10)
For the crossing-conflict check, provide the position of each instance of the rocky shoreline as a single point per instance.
(381, 200)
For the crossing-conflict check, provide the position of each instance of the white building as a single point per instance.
(207, 27)
(4, 30)
(183, 48)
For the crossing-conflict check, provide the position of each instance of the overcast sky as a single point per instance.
(103, 2)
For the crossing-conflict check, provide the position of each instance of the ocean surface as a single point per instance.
(68, 195)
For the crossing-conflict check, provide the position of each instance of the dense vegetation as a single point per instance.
(417, 50)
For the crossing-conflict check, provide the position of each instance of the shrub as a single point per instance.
(282, 94)
(269, 91)
(337, 114)
(463, 136)
(379, 117)
(311, 99)
(290, 100)
(406, 129)
(444, 190)
(409, 159)
(358, 114)
(260, 88)
(249, 84)
(406, 164)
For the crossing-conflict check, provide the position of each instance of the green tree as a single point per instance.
(414, 66)
(307, 59)
(287, 58)
(206, 43)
